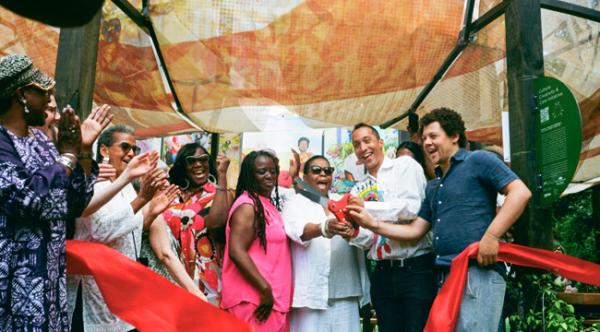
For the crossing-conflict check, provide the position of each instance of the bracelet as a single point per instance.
(66, 161)
(85, 155)
(70, 156)
(219, 188)
(324, 229)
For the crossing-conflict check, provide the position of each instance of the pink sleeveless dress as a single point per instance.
(238, 296)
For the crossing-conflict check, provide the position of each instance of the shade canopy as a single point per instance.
(239, 66)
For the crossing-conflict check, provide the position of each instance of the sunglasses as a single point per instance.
(42, 90)
(319, 169)
(126, 147)
(192, 160)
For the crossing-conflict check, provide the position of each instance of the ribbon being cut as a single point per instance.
(151, 303)
(444, 312)
(143, 298)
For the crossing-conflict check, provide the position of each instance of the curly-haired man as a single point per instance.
(460, 208)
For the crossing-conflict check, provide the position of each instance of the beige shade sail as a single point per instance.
(246, 65)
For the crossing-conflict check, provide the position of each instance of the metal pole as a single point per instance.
(469, 28)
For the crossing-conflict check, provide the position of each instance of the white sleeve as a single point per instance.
(404, 200)
(363, 240)
(294, 220)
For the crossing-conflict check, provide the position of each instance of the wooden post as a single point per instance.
(76, 66)
(525, 62)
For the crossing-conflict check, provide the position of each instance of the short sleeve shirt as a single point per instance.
(461, 205)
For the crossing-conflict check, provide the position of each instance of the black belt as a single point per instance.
(425, 260)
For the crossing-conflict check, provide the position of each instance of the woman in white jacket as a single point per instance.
(330, 278)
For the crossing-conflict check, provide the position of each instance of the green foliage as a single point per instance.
(574, 231)
(548, 312)
(573, 227)
(532, 304)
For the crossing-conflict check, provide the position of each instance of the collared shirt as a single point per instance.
(461, 204)
(115, 225)
(395, 197)
(311, 259)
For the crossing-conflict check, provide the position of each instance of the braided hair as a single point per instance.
(247, 183)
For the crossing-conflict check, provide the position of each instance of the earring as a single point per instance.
(212, 180)
(25, 109)
(187, 184)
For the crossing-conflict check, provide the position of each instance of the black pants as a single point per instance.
(402, 295)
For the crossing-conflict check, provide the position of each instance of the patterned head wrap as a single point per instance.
(16, 71)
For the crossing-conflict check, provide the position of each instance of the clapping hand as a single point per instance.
(154, 180)
(162, 199)
(69, 132)
(106, 172)
(141, 164)
(91, 128)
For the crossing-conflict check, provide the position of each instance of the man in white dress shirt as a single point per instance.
(403, 283)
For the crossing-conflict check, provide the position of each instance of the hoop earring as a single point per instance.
(25, 109)
(187, 184)
(212, 180)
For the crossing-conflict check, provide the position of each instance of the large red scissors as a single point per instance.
(338, 208)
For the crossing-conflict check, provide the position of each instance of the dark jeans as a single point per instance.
(402, 295)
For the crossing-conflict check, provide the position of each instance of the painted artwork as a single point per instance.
(339, 151)
(149, 144)
(307, 143)
(334, 143)
(172, 144)
(229, 145)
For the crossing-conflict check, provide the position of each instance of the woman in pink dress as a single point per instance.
(257, 270)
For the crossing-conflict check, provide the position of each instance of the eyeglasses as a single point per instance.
(126, 147)
(192, 160)
(319, 169)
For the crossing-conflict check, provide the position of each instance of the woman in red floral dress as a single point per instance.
(198, 217)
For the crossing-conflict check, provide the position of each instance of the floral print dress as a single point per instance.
(197, 249)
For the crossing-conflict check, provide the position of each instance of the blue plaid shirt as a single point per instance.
(461, 205)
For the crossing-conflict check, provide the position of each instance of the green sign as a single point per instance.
(559, 136)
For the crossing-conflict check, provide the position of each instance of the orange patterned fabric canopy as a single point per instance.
(245, 65)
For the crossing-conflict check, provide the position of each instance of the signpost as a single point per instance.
(559, 137)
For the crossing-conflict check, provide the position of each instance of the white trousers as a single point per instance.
(341, 315)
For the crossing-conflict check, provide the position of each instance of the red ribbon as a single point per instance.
(143, 298)
(444, 312)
